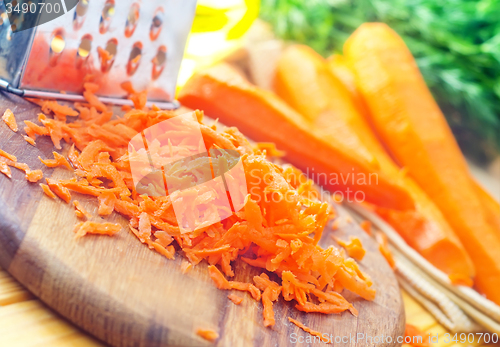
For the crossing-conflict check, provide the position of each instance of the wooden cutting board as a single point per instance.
(127, 295)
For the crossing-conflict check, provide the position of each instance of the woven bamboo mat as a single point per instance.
(25, 321)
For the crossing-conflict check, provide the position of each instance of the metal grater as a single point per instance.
(104, 41)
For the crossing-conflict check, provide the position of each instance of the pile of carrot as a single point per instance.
(370, 111)
(277, 230)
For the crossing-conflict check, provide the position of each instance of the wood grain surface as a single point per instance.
(126, 295)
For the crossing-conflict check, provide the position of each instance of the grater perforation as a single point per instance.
(105, 41)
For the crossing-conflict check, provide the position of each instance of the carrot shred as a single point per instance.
(34, 176)
(270, 149)
(59, 190)
(383, 247)
(366, 226)
(88, 227)
(94, 101)
(10, 120)
(4, 168)
(106, 203)
(309, 330)
(47, 191)
(186, 266)
(58, 160)
(207, 334)
(139, 99)
(127, 86)
(271, 291)
(31, 175)
(80, 211)
(29, 140)
(35, 129)
(237, 300)
(222, 283)
(354, 248)
(7, 155)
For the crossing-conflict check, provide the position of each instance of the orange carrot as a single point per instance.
(222, 283)
(80, 211)
(84, 228)
(366, 226)
(10, 120)
(354, 248)
(186, 266)
(35, 129)
(340, 67)
(310, 331)
(139, 99)
(383, 247)
(58, 160)
(415, 337)
(47, 191)
(29, 140)
(221, 92)
(414, 129)
(271, 291)
(93, 100)
(106, 203)
(331, 108)
(4, 168)
(207, 334)
(17, 165)
(168, 252)
(59, 190)
(490, 205)
(127, 86)
(8, 155)
(237, 300)
(34, 176)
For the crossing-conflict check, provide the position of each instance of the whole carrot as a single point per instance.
(490, 205)
(332, 107)
(412, 126)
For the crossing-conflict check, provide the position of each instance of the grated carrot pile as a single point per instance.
(10, 120)
(277, 230)
(309, 330)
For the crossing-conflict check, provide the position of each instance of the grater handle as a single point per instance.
(4, 85)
